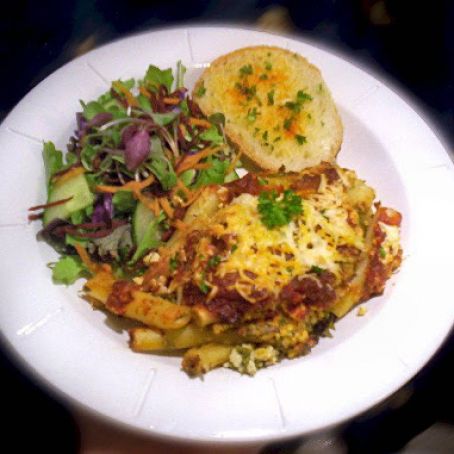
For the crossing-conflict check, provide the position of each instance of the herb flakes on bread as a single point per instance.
(278, 110)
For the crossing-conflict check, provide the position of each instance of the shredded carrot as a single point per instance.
(110, 189)
(183, 129)
(139, 185)
(144, 91)
(180, 185)
(133, 186)
(202, 166)
(180, 225)
(71, 173)
(171, 101)
(128, 95)
(199, 122)
(191, 199)
(189, 161)
(151, 203)
(83, 254)
(233, 164)
(155, 206)
(166, 206)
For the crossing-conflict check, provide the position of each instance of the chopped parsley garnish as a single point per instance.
(276, 209)
(295, 107)
(203, 285)
(246, 70)
(382, 252)
(265, 136)
(249, 92)
(263, 76)
(201, 90)
(270, 96)
(300, 139)
(214, 261)
(316, 269)
(302, 96)
(268, 66)
(173, 263)
(288, 123)
(252, 114)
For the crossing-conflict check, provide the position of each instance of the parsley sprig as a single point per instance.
(276, 209)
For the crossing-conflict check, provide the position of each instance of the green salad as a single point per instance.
(138, 158)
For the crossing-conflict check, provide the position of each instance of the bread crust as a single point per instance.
(290, 133)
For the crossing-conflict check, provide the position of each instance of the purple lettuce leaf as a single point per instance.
(137, 148)
(103, 210)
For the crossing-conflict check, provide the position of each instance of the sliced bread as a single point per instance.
(278, 109)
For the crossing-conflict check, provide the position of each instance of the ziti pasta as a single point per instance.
(263, 268)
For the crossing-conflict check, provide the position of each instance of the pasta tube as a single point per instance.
(199, 360)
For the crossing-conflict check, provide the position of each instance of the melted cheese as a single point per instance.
(391, 243)
(277, 255)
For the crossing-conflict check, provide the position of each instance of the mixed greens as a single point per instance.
(139, 156)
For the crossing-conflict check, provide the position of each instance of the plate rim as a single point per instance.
(43, 380)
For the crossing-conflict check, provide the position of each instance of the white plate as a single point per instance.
(82, 356)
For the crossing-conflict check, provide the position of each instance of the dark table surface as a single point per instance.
(411, 44)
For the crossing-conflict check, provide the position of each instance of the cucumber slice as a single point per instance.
(147, 234)
(75, 187)
(141, 219)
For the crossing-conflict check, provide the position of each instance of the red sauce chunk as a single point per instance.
(249, 184)
(307, 183)
(389, 216)
(121, 296)
(301, 292)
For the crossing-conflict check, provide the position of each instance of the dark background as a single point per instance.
(409, 43)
